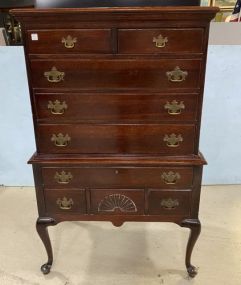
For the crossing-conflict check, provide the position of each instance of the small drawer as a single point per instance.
(121, 108)
(176, 75)
(116, 139)
(169, 202)
(143, 41)
(117, 202)
(65, 201)
(69, 41)
(118, 177)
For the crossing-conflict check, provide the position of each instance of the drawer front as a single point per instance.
(116, 139)
(160, 41)
(65, 201)
(161, 202)
(69, 41)
(118, 177)
(117, 202)
(156, 74)
(121, 108)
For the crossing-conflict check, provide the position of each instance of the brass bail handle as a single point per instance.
(69, 42)
(54, 76)
(170, 178)
(57, 108)
(174, 108)
(173, 140)
(61, 140)
(176, 75)
(64, 203)
(160, 41)
(169, 204)
(63, 177)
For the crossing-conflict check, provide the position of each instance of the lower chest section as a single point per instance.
(115, 191)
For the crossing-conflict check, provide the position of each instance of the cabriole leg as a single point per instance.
(42, 225)
(195, 229)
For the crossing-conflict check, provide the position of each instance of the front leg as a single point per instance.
(195, 229)
(42, 229)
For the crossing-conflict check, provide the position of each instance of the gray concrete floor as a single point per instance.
(135, 254)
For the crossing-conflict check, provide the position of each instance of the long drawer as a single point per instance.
(69, 41)
(116, 139)
(106, 74)
(117, 177)
(121, 108)
(159, 41)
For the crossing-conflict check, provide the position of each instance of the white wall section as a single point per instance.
(16, 128)
(221, 122)
(222, 33)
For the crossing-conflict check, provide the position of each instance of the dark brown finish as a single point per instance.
(117, 201)
(195, 230)
(119, 177)
(183, 16)
(140, 41)
(77, 196)
(117, 139)
(114, 139)
(104, 74)
(115, 108)
(156, 196)
(117, 160)
(42, 225)
(87, 41)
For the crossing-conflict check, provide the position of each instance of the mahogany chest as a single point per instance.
(116, 98)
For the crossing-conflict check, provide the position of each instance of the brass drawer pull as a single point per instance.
(160, 41)
(63, 177)
(169, 204)
(173, 140)
(176, 75)
(174, 108)
(54, 76)
(57, 108)
(64, 203)
(69, 42)
(170, 178)
(61, 140)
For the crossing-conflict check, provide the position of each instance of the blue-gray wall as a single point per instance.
(16, 128)
(221, 124)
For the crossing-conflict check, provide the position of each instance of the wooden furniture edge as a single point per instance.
(208, 12)
(195, 160)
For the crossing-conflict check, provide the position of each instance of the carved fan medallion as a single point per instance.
(117, 202)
